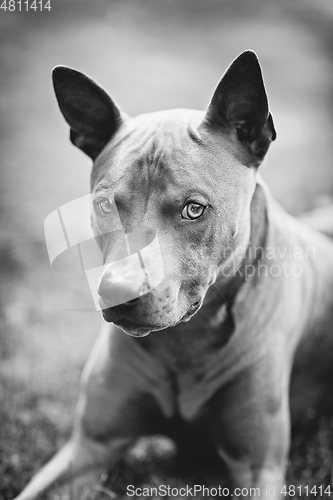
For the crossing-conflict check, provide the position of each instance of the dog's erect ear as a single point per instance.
(90, 112)
(240, 106)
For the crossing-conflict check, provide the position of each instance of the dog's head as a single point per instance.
(187, 175)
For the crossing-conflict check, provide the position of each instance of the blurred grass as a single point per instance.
(150, 55)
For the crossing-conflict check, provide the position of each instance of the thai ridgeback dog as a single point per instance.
(240, 328)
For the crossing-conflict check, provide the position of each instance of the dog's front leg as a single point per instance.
(79, 463)
(252, 422)
(250, 480)
(114, 408)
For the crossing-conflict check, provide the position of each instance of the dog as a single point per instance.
(236, 340)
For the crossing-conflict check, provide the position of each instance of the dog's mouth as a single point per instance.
(194, 308)
(134, 326)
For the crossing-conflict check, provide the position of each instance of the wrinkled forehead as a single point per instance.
(166, 152)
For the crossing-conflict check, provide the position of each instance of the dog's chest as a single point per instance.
(187, 353)
(192, 346)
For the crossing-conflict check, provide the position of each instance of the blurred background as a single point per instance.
(150, 55)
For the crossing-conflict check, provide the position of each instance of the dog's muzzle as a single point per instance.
(122, 281)
(139, 272)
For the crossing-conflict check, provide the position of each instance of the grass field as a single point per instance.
(150, 54)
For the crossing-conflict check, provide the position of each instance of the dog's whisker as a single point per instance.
(223, 296)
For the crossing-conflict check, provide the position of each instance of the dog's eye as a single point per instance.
(193, 211)
(105, 206)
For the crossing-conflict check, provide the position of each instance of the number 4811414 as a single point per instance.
(25, 5)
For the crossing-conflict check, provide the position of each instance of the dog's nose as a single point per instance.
(122, 281)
